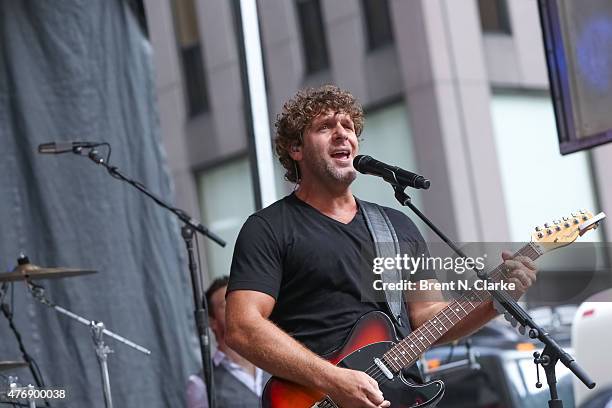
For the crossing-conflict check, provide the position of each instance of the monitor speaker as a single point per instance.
(578, 43)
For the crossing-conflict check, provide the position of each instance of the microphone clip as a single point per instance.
(95, 156)
(67, 147)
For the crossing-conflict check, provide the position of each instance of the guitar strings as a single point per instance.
(380, 377)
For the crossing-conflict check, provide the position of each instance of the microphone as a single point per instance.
(63, 147)
(391, 174)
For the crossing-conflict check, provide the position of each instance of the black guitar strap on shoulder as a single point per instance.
(387, 245)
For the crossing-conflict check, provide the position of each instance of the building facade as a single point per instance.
(455, 90)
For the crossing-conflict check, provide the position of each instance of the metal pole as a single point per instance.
(102, 350)
(256, 101)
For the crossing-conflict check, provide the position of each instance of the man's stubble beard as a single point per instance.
(328, 171)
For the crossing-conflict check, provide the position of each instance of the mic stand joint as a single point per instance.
(548, 359)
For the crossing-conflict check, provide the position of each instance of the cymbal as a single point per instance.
(31, 271)
(9, 365)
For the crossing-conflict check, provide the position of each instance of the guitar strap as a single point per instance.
(387, 245)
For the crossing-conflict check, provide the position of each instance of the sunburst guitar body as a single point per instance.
(374, 348)
(371, 337)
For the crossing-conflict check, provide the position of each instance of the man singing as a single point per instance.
(295, 286)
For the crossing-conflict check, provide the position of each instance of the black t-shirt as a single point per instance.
(314, 266)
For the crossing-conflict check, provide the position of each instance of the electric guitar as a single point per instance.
(374, 347)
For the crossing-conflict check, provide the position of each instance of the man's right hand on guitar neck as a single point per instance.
(351, 388)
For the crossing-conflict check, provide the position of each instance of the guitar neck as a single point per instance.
(407, 351)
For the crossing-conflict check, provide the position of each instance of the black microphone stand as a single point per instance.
(189, 228)
(552, 351)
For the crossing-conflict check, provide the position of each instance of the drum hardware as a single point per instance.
(5, 397)
(5, 308)
(98, 331)
(28, 271)
(9, 365)
(190, 227)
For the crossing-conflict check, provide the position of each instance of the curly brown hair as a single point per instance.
(299, 112)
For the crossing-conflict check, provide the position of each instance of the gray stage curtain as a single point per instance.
(82, 70)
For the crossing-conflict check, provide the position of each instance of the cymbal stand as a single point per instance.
(102, 351)
(98, 331)
(8, 313)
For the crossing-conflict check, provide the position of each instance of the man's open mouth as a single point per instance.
(341, 154)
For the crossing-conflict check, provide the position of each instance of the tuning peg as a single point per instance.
(558, 228)
(574, 215)
(584, 218)
(549, 231)
(565, 218)
(566, 225)
(546, 225)
(540, 235)
(556, 222)
(582, 211)
(538, 228)
(576, 221)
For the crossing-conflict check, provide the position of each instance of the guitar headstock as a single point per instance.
(562, 232)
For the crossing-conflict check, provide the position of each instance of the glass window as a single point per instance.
(494, 16)
(538, 182)
(188, 39)
(226, 200)
(377, 23)
(387, 137)
(283, 187)
(312, 29)
(540, 185)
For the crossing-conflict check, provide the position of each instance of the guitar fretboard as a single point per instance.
(407, 351)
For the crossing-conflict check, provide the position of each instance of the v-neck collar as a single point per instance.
(351, 222)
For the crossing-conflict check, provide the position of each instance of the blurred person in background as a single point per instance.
(238, 383)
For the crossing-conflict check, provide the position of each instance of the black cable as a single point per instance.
(34, 369)
(38, 372)
(32, 364)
